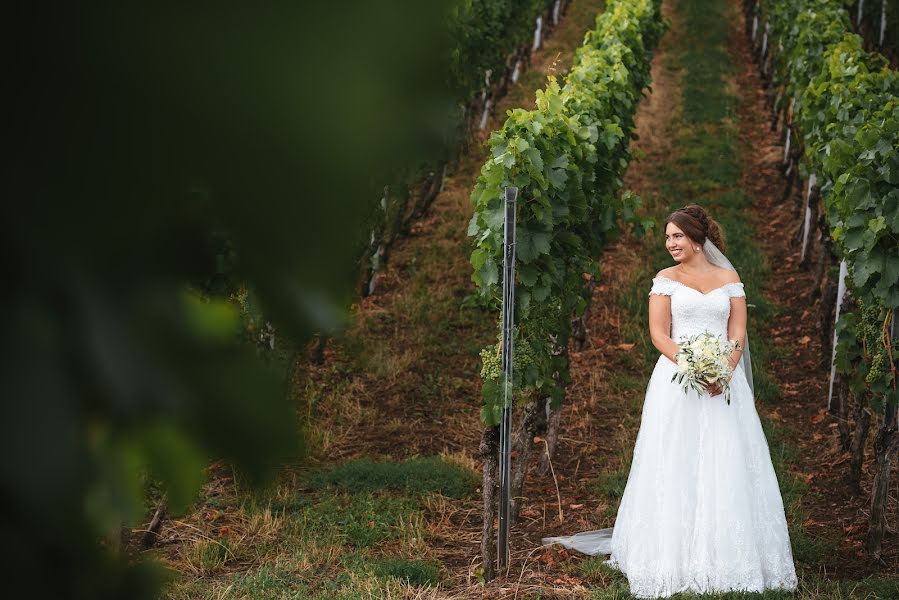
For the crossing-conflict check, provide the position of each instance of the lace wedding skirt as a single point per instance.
(702, 510)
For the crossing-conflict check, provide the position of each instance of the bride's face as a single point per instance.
(678, 244)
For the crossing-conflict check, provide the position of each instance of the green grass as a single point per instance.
(357, 531)
(285, 579)
(611, 486)
(414, 476)
(707, 61)
(362, 519)
(415, 572)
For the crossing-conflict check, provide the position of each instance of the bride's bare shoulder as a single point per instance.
(723, 275)
(727, 275)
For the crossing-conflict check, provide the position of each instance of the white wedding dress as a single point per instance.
(701, 511)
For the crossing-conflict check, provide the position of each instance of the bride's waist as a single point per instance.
(682, 333)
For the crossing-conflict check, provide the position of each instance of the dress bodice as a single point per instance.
(692, 311)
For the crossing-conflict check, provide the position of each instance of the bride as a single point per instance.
(701, 511)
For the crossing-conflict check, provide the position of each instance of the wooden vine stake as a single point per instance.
(841, 293)
(807, 223)
(538, 31)
(786, 157)
(487, 101)
(505, 432)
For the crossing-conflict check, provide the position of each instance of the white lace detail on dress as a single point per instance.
(693, 311)
(664, 286)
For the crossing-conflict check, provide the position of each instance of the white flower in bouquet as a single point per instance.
(703, 360)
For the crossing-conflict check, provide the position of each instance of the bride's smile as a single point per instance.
(677, 243)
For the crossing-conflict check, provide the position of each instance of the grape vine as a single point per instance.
(846, 111)
(488, 41)
(843, 110)
(566, 157)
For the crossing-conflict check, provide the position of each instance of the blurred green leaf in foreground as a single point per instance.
(142, 135)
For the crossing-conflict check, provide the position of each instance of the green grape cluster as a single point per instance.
(522, 358)
(491, 365)
(491, 361)
(870, 331)
(870, 323)
(878, 362)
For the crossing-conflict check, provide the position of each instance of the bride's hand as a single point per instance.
(714, 389)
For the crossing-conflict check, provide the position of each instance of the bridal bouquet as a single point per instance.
(702, 361)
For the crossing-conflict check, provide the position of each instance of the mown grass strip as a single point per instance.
(414, 476)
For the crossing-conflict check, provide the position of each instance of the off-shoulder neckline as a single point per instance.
(720, 287)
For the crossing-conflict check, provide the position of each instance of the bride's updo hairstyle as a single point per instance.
(697, 225)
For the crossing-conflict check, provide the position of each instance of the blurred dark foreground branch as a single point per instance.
(160, 154)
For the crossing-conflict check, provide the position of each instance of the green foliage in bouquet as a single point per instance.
(703, 360)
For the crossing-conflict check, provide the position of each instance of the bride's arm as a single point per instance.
(660, 325)
(736, 328)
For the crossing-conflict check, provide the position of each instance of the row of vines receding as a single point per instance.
(490, 45)
(839, 106)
